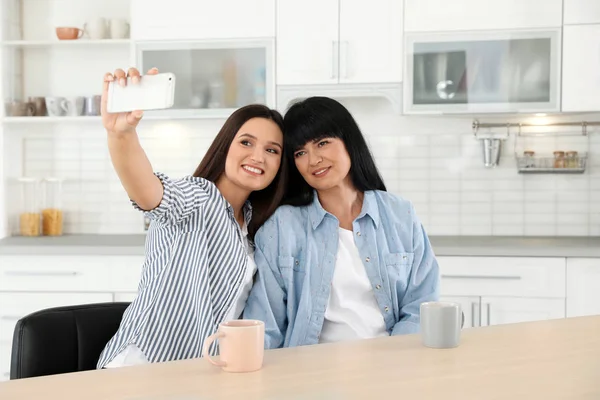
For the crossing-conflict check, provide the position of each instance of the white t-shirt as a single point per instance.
(352, 311)
(132, 355)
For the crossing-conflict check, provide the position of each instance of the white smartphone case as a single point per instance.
(153, 92)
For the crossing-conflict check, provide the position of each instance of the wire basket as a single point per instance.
(535, 164)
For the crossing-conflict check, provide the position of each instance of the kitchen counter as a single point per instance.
(442, 245)
(74, 245)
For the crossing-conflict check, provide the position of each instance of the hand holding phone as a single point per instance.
(125, 96)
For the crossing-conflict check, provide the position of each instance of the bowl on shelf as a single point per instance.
(68, 33)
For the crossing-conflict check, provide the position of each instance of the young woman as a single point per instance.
(346, 259)
(198, 269)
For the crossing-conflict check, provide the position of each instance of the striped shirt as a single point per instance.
(194, 266)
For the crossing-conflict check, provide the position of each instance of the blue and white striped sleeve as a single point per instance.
(181, 198)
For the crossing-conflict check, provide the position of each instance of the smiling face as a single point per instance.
(324, 163)
(254, 156)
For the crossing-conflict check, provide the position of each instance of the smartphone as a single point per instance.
(153, 92)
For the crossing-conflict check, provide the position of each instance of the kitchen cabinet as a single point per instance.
(32, 283)
(469, 15)
(470, 306)
(501, 290)
(583, 283)
(581, 68)
(202, 19)
(581, 12)
(509, 310)
(213, 77)
(483, 72)
(346, 42)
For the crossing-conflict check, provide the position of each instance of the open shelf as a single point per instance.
(45, 120)
(63, 43)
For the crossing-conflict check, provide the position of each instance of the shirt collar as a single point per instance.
(317, 213)
(247, 210)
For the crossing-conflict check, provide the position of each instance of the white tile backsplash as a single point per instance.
(435, 162)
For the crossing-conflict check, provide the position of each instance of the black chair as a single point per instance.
(63, 339)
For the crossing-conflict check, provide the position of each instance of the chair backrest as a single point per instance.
(63, 339)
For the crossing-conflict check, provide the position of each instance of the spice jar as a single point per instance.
(571, 159)
(528, 159)
(29, 217)
(52, 214)
(559, 159)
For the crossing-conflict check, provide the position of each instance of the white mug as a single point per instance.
(118, 28)
(95, 28)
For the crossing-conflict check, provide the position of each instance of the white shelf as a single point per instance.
(45, 120)
(206, 114)
(61, 43)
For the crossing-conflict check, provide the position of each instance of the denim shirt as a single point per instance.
(296, 252)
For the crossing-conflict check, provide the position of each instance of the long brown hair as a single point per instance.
(264, 202)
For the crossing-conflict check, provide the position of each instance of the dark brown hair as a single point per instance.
(264, 202)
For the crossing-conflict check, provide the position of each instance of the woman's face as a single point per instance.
(324, 164)
(254, 156)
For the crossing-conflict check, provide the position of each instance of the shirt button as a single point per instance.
(378, 287)
(367, 259)
(357, 233)
(387, 309)
(297, 262)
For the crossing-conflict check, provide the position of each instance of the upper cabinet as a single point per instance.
(213, 77)
(202, 19)
(370, 44)
(339, 41)
(466, 15)
(582, 12)
(487, 71)
(581, 68)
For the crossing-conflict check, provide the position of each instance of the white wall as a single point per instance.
(435, 162)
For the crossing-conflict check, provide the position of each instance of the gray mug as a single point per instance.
(441, 323)
(92, 105)
(54, 106)
(73, 106)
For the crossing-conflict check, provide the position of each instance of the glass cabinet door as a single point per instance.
(483, 72)
(212, 79)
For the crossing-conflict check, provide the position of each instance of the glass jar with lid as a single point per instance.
(52, 214)
(571, 159)
(29, 215)
(528, 160)
(559, 159)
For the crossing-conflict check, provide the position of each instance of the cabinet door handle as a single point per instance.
(344, 65)
(334, 57)
(472, 315)
(503, 277)
(41, 273)
(489, 313)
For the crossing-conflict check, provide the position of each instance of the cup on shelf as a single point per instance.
(96, 28)
(118, 28)
(73, 106)
(19, 109)
(68, 33)
(92, 105)
(39, 106)
(54, 107)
